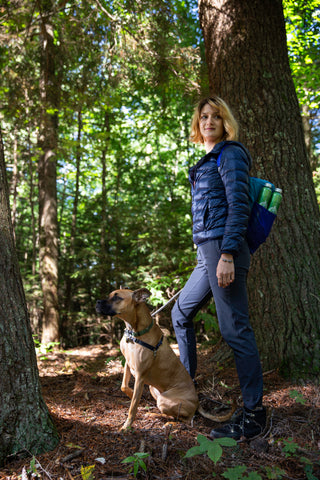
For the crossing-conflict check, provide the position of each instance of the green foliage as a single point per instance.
(33, 467)
(87, 472)
(43, 348)
(123, 156)
(303, 39)
(299, 398)
(137, 462)
(303, 31)
(290, 447)
(208, 317)
(213, 448)
(308, 468)
(130, 74)
(239, 472)
(116, 357)
(274, 472)
(316, 179)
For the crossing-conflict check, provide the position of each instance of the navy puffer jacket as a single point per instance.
(220, 200)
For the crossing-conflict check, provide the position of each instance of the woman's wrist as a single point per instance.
(227, 257)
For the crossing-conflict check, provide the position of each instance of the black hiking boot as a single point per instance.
(244, 423)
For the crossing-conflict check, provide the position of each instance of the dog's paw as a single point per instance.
(153, 414)
(171, 424)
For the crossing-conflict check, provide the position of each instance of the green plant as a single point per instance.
(87, 472)
(274, 472)
(213, 448)
(33, 467)
(116, 357)
(290, 447)
(308, 468)
(43, 348)
(209, 318)
(137, 462)
(298, 397)
(237, 473)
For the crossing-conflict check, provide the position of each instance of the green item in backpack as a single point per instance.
(260, 219)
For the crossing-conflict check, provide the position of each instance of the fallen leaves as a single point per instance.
(82, 391)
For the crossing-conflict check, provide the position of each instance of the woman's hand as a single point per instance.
(225, 270)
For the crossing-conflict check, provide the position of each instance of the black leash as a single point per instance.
(164, 306)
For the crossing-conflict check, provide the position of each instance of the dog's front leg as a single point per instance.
(137, 392)
(125, 381)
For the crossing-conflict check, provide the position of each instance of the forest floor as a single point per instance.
(82, 390)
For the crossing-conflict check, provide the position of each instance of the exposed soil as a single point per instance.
(82, 390)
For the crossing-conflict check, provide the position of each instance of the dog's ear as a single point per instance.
(141, 295)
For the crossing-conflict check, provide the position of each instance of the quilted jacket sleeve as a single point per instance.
(234, 171)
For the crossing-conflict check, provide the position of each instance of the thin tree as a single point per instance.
(104, 244)
(25, 423)
(73, 231)
(247, 57)
(47, 170)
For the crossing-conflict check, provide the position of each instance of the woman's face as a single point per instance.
(211, 125)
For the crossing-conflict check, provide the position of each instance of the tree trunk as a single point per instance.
(48, 221)
(14, 186)
(248, 65)
(306, 122)
(104, 244)
(25, 424)
(73, 232)
(32, 187)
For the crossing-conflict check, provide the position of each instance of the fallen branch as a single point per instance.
(71, 456)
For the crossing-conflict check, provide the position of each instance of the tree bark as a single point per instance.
(25, 423)
(34, 228)
(248, 64)
(14, 180)
(306, 122)
(104, 244)
(73, 232)
(48, 141)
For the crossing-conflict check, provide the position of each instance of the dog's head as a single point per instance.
(121, 301)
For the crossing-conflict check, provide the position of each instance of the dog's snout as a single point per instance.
(104, 308)
(98, 306)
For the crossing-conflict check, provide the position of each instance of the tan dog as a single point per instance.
(150, 359)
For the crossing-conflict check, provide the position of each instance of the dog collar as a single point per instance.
(142, 332)
(131, 338)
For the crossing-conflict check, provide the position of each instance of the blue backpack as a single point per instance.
(260, 220)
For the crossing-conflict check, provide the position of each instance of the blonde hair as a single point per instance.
(230, 124)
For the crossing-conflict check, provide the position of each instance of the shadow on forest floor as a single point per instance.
(82, 390)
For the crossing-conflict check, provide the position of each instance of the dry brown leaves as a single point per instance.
(82, 390)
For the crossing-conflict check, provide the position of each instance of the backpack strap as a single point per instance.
(219, 158)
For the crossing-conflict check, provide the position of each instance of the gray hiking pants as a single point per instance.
(232, 312)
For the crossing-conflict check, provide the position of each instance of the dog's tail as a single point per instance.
(218, 418)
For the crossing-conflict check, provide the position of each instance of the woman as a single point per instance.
(220, 209)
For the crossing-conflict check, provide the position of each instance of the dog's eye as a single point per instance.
(116, 298)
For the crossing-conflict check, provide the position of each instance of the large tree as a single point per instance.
(25, 423)
(247, 57)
